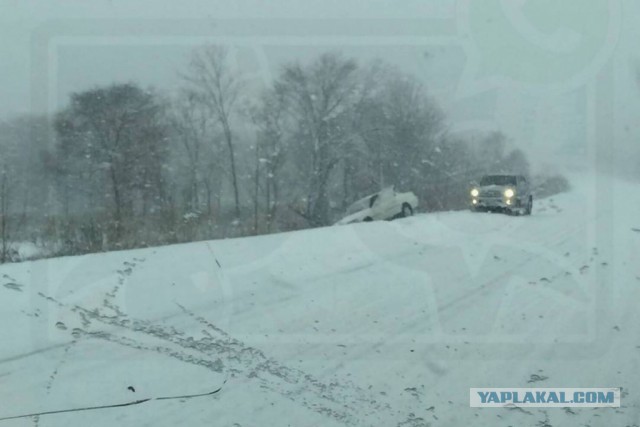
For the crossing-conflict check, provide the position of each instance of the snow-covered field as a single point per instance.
(376, 324)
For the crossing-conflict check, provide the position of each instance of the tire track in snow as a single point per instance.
(347, 394)
(342, 401)
(490, 285)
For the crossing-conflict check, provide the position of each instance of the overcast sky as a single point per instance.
(550, 74)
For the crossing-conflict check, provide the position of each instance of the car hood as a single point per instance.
(494, 187)
(355, 217)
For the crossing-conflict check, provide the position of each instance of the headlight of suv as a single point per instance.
(475, 192)
(509, 193)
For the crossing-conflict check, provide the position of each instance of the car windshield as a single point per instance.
(341, 213)
(358, 206)
(498, 180)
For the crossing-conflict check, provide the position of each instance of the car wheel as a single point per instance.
(367, 219)
(529, 206)
(407, 210)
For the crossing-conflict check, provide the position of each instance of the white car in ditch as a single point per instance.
(384, 205)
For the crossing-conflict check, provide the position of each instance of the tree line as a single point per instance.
(124, 166)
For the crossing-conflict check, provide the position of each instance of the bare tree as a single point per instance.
(192, 127)
(115, 134)
(210, 76)
(5, 237)
(270, 119)
(319, 96)
(25, 145)
(363, 161)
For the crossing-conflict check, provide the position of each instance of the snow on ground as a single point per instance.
(377, 324)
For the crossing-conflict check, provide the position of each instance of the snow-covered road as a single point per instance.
(377, 324)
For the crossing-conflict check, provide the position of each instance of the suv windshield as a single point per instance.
(498, 180)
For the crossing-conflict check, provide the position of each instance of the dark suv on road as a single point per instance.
(505, 193)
